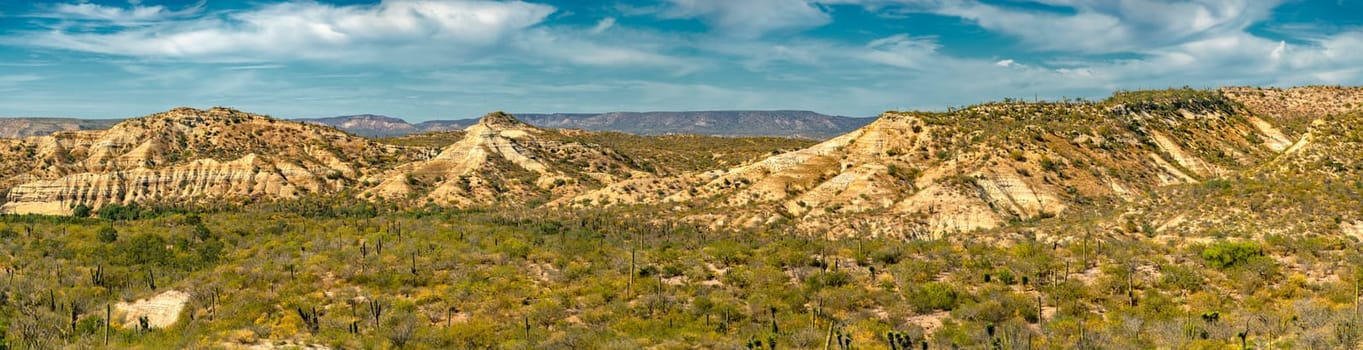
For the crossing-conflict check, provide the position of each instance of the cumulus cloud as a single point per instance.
(392, 31)
(1097, 27)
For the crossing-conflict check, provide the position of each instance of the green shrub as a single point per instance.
(202, 233)
(828, 279)
(107, 234)
(888, 255)
(933, 296)
(1226, 254)
(113, 212)
(81, 211)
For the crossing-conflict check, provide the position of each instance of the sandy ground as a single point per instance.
(161, 310)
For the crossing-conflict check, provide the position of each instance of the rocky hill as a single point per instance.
(184, 155)
(1309, 188)
(503, 160)
(991, 165)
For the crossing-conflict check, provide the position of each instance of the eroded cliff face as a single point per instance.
(184, 155)
(929, 174)
(204, 179)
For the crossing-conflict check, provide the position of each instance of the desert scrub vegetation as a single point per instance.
(677, 154)
(512, 278)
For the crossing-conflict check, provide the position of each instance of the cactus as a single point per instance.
(899, 341)
(774, 328)
(376, 309)
(844, 340)
(97, 276)
(528, 339)
(310, 318)
(75, 314)
(108, 321)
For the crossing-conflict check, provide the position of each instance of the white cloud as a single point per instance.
(750, 18)
(902, 51)
(400, 33)
(124, 16)
(1097, 27)
(392, 31)
(603, 25)
(516, 58)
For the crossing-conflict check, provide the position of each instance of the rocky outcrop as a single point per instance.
(160, 311)
(200, 180)
(184, 155)
(502, 160)
(1293, 109)
(921, 173)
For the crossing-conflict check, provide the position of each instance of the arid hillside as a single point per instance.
(1147, 154)
(991, 165)
(501, 160)
(206, 156)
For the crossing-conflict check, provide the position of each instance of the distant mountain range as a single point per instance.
(795, 124)
(25, 127)
(798, 124)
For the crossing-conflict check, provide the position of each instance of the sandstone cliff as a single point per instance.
(926, 174)
(184, 154)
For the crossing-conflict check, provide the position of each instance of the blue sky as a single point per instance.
(457, 59)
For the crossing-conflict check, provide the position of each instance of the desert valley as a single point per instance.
(1170, 218)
